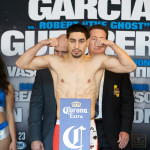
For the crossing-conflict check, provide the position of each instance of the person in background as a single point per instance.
(42, 112)
(115, 113)
(7, 123)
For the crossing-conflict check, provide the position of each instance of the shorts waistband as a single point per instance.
(3, 125)
(58, 122)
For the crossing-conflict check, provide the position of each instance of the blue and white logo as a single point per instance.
(77, 135)
(21, 145)
(74, 124)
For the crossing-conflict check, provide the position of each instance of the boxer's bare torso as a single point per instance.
(80, 79)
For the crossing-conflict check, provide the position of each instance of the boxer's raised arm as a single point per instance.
(113, 64)
(30, 61)
(122, 64)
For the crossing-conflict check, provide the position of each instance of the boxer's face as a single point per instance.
(95, 36)
(77, 44)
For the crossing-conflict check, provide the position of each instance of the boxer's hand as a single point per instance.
(37, 145)
(123, 139)
(49, 42)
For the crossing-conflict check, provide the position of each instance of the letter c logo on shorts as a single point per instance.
(76, 138)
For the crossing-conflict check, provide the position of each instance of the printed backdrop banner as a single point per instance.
(25, 22)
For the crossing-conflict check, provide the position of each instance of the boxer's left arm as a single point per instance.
(122, 64)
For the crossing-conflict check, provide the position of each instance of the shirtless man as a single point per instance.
(76, 75)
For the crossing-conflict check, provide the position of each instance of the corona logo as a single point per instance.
(76, 104)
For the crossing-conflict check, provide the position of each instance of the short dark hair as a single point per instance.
(78, 28)
(99, 27)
